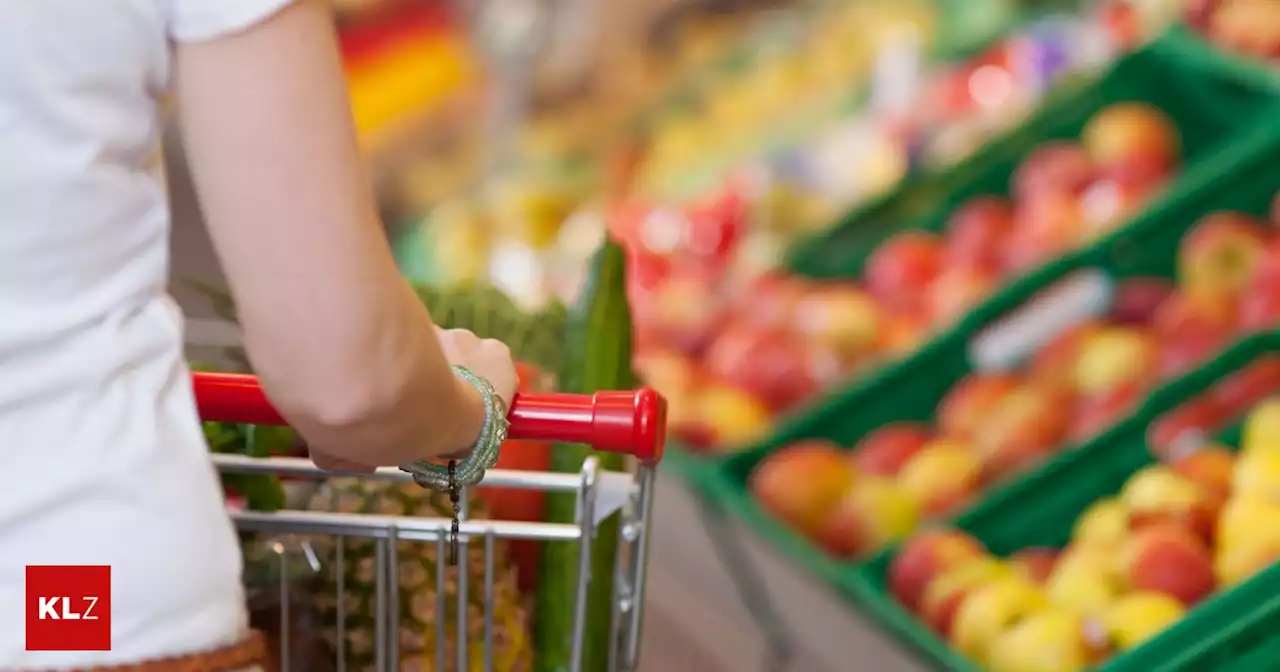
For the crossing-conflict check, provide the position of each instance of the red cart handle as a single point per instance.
(617, 422)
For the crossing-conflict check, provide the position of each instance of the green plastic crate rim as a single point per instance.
(1243, 176)
(1206, 105)
(1197, 52)
(1232, 631)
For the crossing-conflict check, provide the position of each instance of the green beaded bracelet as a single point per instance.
(470, 470)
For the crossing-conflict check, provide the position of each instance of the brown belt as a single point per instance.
(247, 654)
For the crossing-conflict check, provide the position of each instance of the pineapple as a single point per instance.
(512, 643)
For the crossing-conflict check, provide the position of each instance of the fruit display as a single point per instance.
(1177, 531)
(1247, 27)
(994, 424)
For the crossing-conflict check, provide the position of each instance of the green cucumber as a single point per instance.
(597, 356)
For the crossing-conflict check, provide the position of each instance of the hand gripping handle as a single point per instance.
(632, 422)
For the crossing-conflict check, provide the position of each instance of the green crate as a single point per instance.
(1243, 176)
(1207, 107)
(1197, 53)
(966, 27)
(1233, 630)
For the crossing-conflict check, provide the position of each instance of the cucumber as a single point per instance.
(597, 356)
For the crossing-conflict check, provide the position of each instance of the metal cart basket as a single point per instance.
(626, 422)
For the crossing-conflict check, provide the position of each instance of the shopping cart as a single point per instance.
(624, 422)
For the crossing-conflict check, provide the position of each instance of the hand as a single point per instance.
(329, 463)
(487, 358)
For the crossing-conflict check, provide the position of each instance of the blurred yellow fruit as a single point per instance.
(990, 610)
(1262, 428)
(1105, 523)
(1049, 641)
(1136, 617)
(1257, 476)
(1083, 580)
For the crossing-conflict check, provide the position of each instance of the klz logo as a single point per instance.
(68, 608)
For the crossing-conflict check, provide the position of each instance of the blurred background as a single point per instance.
(820, 198)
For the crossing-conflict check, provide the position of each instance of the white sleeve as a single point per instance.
(195, 20)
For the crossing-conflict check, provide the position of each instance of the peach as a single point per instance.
(967, 404)
(1261, 430)
(942, 476)
(1053, 640)
(1130, 131)
(1211, 467)
(1137, 300)
(1114, 357)
(926, 556)
(1034, 563)
(885, 450)
(1171, 560)
(1137, 617)
(803, 483)
(901, 269)
(1104, 525)
(871, 514)
(1056, 167)
(976, 231)
(1217, 259)
(992, 609)
(943, 596)
(1159, 496)
(840, 317)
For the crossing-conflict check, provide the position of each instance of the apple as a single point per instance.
(769, 301)
(686, 313)
(926, 556)
(1199, 13)
(728, 417)
(1114, 357)
(976, 232)
(1054, 365)
(968, 403)
(957, 291)
(1183, 427)
(989, 611)
(1260, 309)
(941, 476)
(945, 593)
(1057, 167)
(1191, 330)
(802, 483)
(1083, 580)
(871, 514)
(1095, 414)
(1261, 431)
(1159, 495)
(1135, 618)
(1104, 525)
(840, 317)
(1171, 560)
(1118, 193)
(1248, 539)
(1251, 27)
(1044, 228)
(884, 451)
(1217, 259)
(1129, 131)
(1053, 640)
(1034, 563)
(772, 366)
(1026, 426)
(1250, 385)
(903, 333)
(901, 268)
(1138, 300)
(1212, 468)
(1257, 475)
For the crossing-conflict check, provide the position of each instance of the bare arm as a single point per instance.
(340, 341)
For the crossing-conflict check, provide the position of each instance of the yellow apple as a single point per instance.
(1105, 523)
(1136, 617)
(1262, 428)
(1049, 641)
(1084, 580)
(1257, 476)
(990, 610)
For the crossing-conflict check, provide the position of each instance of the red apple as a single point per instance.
(968, 404)
(1250, 385)
(1045, 227)
(769, 301)
(1130, 131)
(957, 291)
(1137, 300)
(1054, 167)
(803, 483)
(1027, 425)
(1054, 365)
(1095, 414)
(1198, 13)
(1191, 421)
(976, 231)
(770, 365)
(840, 317)
(885, 450)
(924, 557)
(1118, 194)
(1217, 259)
(1260, 310)
(901, 269)
(1035, 563)
(1191, 330)
(1250, 27)
(687, 313)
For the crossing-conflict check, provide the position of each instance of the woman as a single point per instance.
(104, 462)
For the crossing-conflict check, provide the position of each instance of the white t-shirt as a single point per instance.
(102, 460)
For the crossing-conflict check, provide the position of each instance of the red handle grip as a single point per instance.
(617, 422)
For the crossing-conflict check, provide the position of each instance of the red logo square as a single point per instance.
(68, 608)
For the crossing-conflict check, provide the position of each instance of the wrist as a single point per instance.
(469, 418)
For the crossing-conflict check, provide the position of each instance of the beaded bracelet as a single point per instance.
(469, 470)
